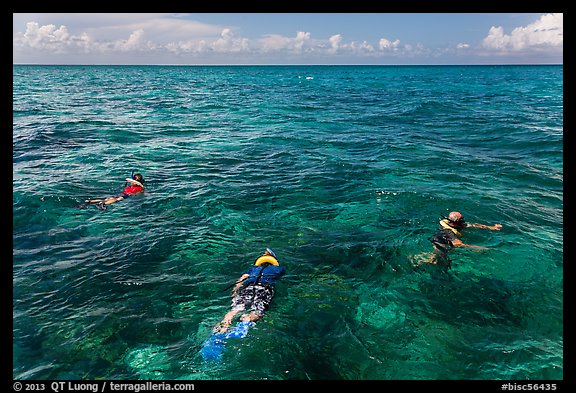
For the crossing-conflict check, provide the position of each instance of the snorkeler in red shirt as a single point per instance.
(136, 186)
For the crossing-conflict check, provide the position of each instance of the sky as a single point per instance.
(288, 38)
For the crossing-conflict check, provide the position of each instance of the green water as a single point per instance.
(343, 171)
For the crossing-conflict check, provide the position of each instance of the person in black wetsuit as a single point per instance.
(254, 289)
(448, 236)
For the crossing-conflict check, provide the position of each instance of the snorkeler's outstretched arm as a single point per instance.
(495, 227)
(459, 243)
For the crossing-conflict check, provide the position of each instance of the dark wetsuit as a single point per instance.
(442, 241)
(258, 289)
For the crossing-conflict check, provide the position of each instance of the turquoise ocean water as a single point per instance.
(342, 170)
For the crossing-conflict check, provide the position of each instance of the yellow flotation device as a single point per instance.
(266, 258)
(445, 225)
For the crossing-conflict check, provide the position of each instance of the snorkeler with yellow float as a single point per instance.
(254, 290)
(448, 237)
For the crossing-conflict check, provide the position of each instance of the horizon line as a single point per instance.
(284, 65)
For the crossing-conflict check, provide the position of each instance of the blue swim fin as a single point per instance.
(240, 330)
(213, 347)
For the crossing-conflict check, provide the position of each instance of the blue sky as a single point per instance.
(288, 38)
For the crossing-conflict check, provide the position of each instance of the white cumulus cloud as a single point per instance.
(385, 44)
(335, 41)
(301, 38)
(48, 36)
(172, 38)
(134, 42)
(546, 33)
(275, 42)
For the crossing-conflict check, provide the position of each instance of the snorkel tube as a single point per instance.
(131, 177)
